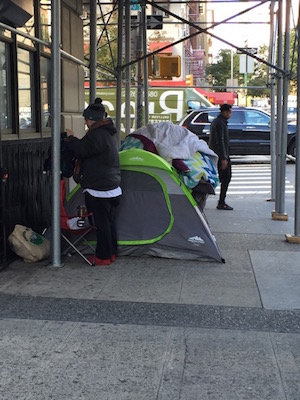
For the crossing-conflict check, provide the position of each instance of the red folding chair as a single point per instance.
(75, 228)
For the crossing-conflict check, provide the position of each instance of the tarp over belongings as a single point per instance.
(157, 215)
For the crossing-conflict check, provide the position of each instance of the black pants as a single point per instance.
(104, 212)
(225, 178)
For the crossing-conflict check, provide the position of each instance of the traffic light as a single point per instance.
(189, 80)
(169, 66)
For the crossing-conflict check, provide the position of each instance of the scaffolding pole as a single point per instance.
(93, 50)
(286, 78)
(297, 166)
(296, 237)
(127, 68)
(271, 75)
(275, 213)
(56, 129)
(119, 68)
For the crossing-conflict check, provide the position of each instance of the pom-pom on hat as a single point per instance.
(95, 111)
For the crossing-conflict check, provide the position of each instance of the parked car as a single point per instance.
(292, 113)
(249, 129)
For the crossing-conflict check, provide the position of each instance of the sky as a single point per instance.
(255, 34)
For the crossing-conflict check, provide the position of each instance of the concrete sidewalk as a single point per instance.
(158, 329)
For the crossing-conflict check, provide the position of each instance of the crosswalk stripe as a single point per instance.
(253, 191)
(259, 186)
(252, 174)
(253, 179)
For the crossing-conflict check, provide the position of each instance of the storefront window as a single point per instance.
(45, 22)
(45, 92)
(5, 99)
(25, 87)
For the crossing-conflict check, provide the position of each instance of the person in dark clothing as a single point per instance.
(219, 143)
(100, 177)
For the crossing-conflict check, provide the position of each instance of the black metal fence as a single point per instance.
(26, 193)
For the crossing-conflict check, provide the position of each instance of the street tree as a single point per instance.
(260, 76)
(218, 72)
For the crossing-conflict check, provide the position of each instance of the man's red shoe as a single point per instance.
(113, 258)
(98, 261)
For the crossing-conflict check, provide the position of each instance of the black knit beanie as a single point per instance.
(95, 111)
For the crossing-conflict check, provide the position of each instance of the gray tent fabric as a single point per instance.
(142, 212)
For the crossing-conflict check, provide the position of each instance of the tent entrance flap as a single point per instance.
(144, 214)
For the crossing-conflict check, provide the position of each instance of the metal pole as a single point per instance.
(119, 69)
(231, 69)
(271, 73)
(3, 205)
(128, 67)
(297, 163)
(144, 39)
(279, 107)
(93, 50)
(56, 129)
(139, 79)
(284, 107)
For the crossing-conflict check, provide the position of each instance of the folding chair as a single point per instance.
(75, 228)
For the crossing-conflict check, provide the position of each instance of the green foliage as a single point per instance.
(219, 72)
(260, 78)
(293, 60)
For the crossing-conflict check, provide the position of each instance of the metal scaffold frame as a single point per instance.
(278, 72)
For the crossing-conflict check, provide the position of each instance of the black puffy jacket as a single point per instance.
(219, 137)
(98, 152)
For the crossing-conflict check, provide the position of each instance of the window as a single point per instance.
(194, 104)
(45, 22)
(45, 92)
(256, 118)
(202, 118)
(237, 117)
(5, 86)
(26, 89)
(156, 11)
(25, 82)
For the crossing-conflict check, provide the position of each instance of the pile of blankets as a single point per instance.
(191, 157)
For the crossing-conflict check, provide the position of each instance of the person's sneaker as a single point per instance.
(98, 261)
(113, 258)
(224, 207)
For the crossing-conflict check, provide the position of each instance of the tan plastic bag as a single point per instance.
(29, 245)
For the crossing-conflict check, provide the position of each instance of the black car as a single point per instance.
(249, 129)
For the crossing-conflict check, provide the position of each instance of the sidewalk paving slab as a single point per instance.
(55, 360)
(278, 278)
(157, 329)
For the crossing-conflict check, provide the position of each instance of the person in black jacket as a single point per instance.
(100, 177)
(219, 143)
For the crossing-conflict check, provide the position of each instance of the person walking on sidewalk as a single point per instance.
(100, 177)
(219, 143)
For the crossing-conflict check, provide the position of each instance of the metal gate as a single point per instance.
(25, 189)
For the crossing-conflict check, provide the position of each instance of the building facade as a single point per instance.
(25, 106)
